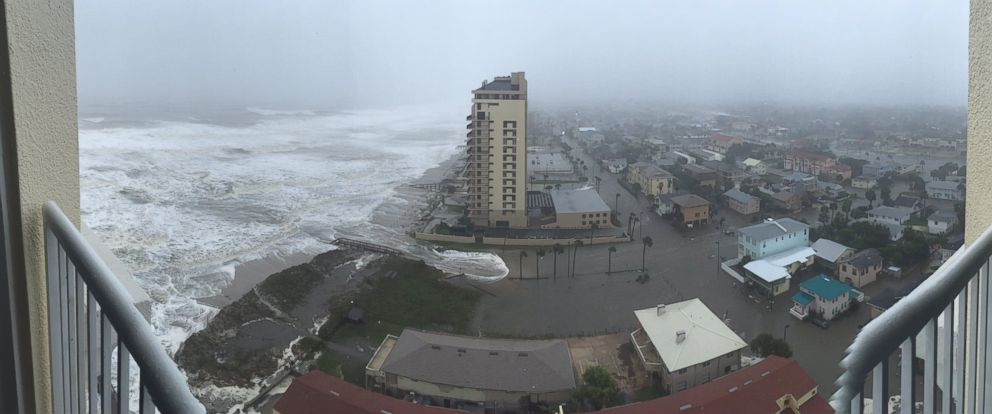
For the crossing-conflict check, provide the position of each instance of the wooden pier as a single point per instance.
(364, 245)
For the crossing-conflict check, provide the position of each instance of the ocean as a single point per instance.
(183, 198)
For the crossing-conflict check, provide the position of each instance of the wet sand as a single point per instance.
(249, 274)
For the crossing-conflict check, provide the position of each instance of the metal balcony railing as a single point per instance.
(93, 323)
(947, 316)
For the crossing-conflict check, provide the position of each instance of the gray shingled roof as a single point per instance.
(578, 201)
(491, 364)
(829, 250)
(738, 195)
(690, 200)
(865, 258)
(767, 230)
(944, 216)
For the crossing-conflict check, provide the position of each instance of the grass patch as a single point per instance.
(649, 393)
(342, 366)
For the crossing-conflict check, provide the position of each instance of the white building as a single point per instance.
(771, 237)
(940, 222)
(892, 215)
(864, 182)
(684, 344)
(945, 190)
(829, 252)
(755, 166)
(823, 297)
(773, 272)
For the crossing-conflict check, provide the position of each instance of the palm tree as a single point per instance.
(537, 262)
(609, 263)
(646, 242)
(870, 196)
(846, 206)
(555, 251)
(592, 231)
(575, 253)
(523, 255)
(598, 180)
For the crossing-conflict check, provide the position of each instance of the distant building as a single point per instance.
(829, 253)
(860, 269)
(727, 173)
(500, 374)
(822, 297)
(721, 142)
(616, 165)
(774, 385)
(742, 202)
(909, 201)
(945, 190)
(864, 182)
(788, 201)
(579, 209)
(894, 215)
(838, 170)
(941, 222)
(691, 209)
(704, 176)
(316, 392)
(770, 237)
(497, 147)
(809, 162)
(880, 168)
(755, 166)
(684, 345)
(654, 181)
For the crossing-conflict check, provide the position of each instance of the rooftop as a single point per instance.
(770, 229)
(482, 363)
(944, 216)
(751, 162)
(943, 185)
(788, 257)
(317, 392)
(865, 258)
(706, 336)
(697, 169)
(767, 271)
(690, 201)
(752, 390)
(738, 195)
(829, 250)
(825, 287)
(899, 213)
(578, 201)
(718, 137)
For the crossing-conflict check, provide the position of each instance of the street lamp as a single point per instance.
(785, 332)
(616, 203)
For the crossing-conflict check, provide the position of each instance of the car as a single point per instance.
(822, 323)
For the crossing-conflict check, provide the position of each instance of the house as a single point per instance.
(829, 253)
(727, 173)
(864, 182)
(799, 183)
(773, 272)
(742, 202)
(830, 190)
(721, 142)
(773, 385)
(702, 175)
(788, 201)
(860, 269)
(692, 210)
(770, 237)
(882, 301)
(578, 209)
(892, 215)
(316, 392)
(810, 162)
(839, 171)
(684, 345)
(941, 222)
(879, 169)
(910, 201)
(945, 190)
(822, 297)
(616, 165)
(653, 181)
(453, 370)
(755, 166)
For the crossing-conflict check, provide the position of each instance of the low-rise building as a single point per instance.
(703, 176)
(755, 166)
(860, 269)
(945, 190)
(578, 209)
(691, 210)
(722, 142)
(727, 173)
(653, 181)
(941, 222)
(742, 202)
(891, 215)
(770, 237)
(864, 182)
(788, 201)
(616, 165)
(829, 253)
(809, 162)
(910, 201)
(684, 345)
(773, 385)
(502, 375)
(772, 274)
(822, 297)
(317, 392)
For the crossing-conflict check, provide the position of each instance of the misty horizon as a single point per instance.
(378, 54)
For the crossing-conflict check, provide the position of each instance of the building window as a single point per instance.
(683, 370)
(683, 385)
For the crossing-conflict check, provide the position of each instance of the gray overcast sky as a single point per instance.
(379, 53)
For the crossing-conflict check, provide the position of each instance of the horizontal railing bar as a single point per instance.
(166, 384)
(882, 336)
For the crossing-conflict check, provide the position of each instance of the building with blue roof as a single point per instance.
(823, 297)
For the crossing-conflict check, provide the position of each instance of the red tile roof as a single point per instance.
(755, 391)
(723, 138)
(320, 393)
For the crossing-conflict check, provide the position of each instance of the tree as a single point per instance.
(537, 262)
(575, 253)
(824, 214)
(609, 258)
(870, 196)
(598, 180)
(764, 344)
(523, 255)
(846, 207)
(646, 242)
(599, 389)
(555, 251)
(592, 231)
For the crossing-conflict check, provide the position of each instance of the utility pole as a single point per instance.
(717, 259)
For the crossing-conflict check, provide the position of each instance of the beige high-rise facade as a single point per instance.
(497, 149)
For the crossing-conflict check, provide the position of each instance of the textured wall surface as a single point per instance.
(979, 196)
(43, 70)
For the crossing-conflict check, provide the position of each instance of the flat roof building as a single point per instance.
(579, 209)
